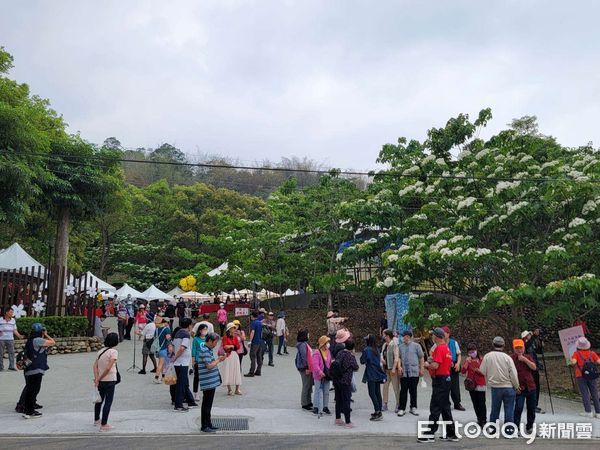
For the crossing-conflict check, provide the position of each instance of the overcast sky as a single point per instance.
(331, 80)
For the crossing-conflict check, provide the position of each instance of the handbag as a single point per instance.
(326, 375)
(170, 376)
(470, 384)
(96, 395)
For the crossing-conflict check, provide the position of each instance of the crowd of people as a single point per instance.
(215, 359)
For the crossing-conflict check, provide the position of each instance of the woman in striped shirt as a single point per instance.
(209, 378)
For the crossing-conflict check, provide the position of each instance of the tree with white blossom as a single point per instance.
(509, 222)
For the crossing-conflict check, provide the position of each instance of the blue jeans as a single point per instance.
(504, 396)
(531, 397)
(321, 395)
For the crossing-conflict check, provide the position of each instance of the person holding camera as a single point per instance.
(36, 353)
(210, 379)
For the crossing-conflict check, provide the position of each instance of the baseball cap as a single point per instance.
(38, 327)
(439, 332)
(446, 329)
(498, 341)
(518, 343)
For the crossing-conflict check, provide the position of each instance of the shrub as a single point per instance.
(57, 326)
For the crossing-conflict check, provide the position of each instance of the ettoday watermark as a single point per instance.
(496, 430)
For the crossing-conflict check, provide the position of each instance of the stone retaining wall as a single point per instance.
(68, 345)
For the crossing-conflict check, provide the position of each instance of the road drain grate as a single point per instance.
(231, 423)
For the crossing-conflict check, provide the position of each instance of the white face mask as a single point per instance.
(327, 345)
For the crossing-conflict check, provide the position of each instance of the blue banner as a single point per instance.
(396, 306)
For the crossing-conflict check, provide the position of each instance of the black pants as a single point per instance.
(130, 323)
(256, 358)
(207, 402)
(440, 405)
(455, 386)
(281, 344)
(536, 379)
(107, 393)
(121, 325)
(196, 378)
(408, 385)
(478, 399)
(222, 327)
(269, 349)
(375, 394)
(33, 384)
(241, 356)
(183, 393)
(343, 395)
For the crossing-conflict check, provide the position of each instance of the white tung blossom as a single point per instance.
(576, 222)
(411, 170)
(464, 154)
(437, 233)
(511, 208)
(389, 281)
(482, 154)
(393, 257)
(589, 207)
(503, 185)
(467, 202)
(555, 248)
(526, 158)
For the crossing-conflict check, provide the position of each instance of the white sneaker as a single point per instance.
(597, 415)
(414, 412)
(157, 381)
(587, 414)
(401, 413)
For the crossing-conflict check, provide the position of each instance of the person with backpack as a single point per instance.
(374, 375)
(106, 377)
(35, 365)
(586, 364)
(304, 365)
(162, 339)
(268, 333)
(341, 371)
(321, 360)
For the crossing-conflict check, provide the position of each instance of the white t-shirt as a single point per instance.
(7, 327)
(211, 328)
(148, 331)
(103, 362)
(280, 327)
(182, 339)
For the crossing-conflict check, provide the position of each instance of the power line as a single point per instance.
(311, 171)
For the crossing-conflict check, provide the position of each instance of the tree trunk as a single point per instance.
(61, 246)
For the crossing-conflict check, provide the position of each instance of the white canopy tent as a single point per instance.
(289, 292)
(93, 279)
(198, 296)
(219, 270)
(153, 293)
(14, 257)
(126, 290)
(176, 291)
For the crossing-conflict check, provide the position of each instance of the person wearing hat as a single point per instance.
(455, 369)
(282, 332)
(140, 321)
(501, 375)
(321, 362)
(526, 392)
(439, 365)
(163, 337)
(412, 368)
(583, 359)
(334, 323)
(222, 318)
(241, 336)
(147, 333)
(231, 373)
(36, 351)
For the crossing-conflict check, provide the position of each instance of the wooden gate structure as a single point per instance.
(60, 292)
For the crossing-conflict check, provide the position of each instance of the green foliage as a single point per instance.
(57, 326)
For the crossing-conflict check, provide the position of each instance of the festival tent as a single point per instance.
(193, 295)
(153, 293)
(126, 290)
(219, 270)
(14, 257)
(289, 292)
(176, 291)
(93, 279)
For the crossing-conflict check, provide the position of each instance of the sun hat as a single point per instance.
(525, 333)
(229, 326)
(262, 310)
(498, 341)
(518, 343)
(329, 314)
(323, 340)
(583, 343)
(142, 306)
(237, 323)
(439, 332)
(342, 336)
(270, 313)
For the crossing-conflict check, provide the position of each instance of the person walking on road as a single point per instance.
(222, 318)
(586, 374)
(475, 382)
(501, 375)
(455, 369)
(163, 335)
(281, 329)
(210, 380)
(374, 375)
(105, 379)
(182, 360)
(256, 346)
(304, 366)
(413, 361)
(390, 361)
(346, 361)
(148, 333)
(526, 392)
(321, 362)
(268, 333)
(439, 365)
(230, 369)
(8, 331)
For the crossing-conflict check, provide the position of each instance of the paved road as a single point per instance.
(261, 442)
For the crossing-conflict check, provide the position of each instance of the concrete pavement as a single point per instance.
(271, 402)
